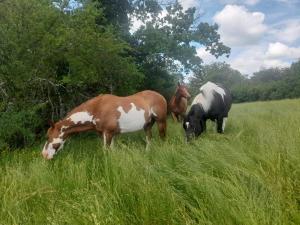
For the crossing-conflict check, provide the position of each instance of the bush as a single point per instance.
(20, 129)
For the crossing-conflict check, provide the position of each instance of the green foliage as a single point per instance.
(19, 128)
(269, 84)
(248, 176)
(51, 52)
(115, 13)
(48, 54)
(172, 39)
(216, 72)
(168, 43)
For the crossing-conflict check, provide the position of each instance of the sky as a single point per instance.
(260, 33)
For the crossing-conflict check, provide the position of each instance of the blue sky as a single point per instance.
(260, 33)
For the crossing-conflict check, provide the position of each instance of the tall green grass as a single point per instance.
(249, 175)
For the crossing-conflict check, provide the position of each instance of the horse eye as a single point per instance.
(56, 146)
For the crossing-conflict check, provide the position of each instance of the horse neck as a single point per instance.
(83, 121)
(68, 128)
(178, 97)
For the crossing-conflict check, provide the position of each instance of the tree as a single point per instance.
(267, 75)
(48, 54)
(219, 73)
(169, 41)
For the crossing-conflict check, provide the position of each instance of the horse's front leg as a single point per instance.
(107, 139)
(148, 139)
(174, 116)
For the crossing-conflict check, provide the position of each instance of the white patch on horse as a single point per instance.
(62, 129)
(209, 87)
(153, 113)
(224, 123)
(95, 121)
(203, 101)
(206, 97)
(81, 117)
(131, 121)
(187, 124)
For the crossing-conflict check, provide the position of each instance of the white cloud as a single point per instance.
(274, 55)
(189, 3)
(205, 55)
(253, 60)
(279, 50)
(239, 27)
(287, 31)
(247, 2)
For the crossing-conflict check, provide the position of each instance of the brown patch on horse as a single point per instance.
(126, 106)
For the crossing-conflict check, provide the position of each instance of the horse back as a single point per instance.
(154, 100)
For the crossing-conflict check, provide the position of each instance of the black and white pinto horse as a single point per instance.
(213, 102)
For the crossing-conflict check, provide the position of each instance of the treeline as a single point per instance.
(55, 54)
(267, 84)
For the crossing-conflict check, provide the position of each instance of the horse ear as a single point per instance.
(51, 123)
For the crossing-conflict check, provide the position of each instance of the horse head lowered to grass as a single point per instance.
(213, 102)
(110, 115)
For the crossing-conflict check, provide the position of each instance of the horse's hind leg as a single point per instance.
(148, 131)
(162, 127)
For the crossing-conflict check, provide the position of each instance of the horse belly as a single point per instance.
(133, 120)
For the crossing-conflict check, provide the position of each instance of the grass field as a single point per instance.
(249, 175)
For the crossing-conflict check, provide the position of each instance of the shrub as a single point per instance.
(20, 128)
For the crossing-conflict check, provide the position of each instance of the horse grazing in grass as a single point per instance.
(110, 115)
(213, 102)
(178, 102)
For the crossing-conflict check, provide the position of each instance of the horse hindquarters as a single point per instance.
(160, 115)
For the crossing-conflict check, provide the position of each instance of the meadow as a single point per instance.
(249, 175)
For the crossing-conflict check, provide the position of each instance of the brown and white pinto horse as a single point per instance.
(110, 115)
(178, 102)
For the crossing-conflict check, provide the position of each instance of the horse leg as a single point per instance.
(174, 116)
(162, 128)
(147, 129)
(219, 125)
(224, 123)
(203, 124)
(179, 118)
(107, 139)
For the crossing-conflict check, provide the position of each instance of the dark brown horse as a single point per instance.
(110, 115)
(178, 102)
